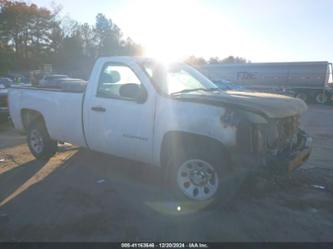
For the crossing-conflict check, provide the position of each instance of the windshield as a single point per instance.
(177, 78)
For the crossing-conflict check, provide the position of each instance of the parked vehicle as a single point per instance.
(172, 117)
(50, 80)
(4, 84)
(310, 81)
(17, 78)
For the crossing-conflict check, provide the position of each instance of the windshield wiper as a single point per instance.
(196, 89)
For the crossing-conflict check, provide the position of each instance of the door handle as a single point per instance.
(98, 109)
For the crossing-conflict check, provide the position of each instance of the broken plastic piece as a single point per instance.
(318, 186)
(100, 181)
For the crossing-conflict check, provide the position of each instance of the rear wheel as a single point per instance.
(321, 98)
(39, 141)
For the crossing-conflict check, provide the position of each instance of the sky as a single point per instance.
(258, 30)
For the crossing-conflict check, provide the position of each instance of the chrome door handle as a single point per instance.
(98, 109)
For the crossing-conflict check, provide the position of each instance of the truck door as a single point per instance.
(116, 123)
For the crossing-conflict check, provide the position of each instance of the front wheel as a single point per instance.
(198, 180)
(39, 141)
(201, 177)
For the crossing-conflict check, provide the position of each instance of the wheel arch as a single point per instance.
(28, 116)
(176, 140)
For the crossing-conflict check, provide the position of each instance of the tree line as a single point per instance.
(197, 61)
(31, 36)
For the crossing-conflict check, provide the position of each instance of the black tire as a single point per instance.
(228, 184)
(45, 147)
(321, 98)
(303, 96)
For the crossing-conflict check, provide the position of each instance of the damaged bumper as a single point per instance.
(282, 162)
(302, 154)
(292, 158)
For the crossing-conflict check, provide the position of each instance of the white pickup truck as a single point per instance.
(168, 116)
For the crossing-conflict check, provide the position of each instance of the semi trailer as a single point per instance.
(309, 81)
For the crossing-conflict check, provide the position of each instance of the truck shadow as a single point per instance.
(91, 196)
(87, 177)
(12, 179)
(133, 181)
(129, 179)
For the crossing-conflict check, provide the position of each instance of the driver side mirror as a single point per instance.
(133, 91)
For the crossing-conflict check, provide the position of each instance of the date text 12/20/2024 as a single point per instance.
(164, 245)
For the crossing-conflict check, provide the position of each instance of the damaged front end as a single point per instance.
(277, 145)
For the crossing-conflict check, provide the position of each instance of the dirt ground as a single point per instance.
(80, 195)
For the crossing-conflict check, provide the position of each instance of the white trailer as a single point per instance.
(310, 81)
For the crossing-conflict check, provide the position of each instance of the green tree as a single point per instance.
(129, 47)
(195, 61)
(31, 36)
(25, 29)
(6, 59)
(228, 60)
(107, 36)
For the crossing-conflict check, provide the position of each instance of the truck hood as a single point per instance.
(266, 104)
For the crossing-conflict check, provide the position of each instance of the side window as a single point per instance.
(112, 78)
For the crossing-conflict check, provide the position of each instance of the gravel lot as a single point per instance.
(80, 195)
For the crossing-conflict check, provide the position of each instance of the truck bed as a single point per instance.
(74, 87)
(61, 109)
